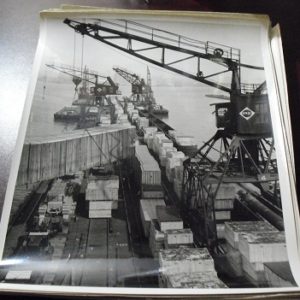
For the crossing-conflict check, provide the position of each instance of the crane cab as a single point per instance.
(137, 89)
(252, 114)
(245, 114)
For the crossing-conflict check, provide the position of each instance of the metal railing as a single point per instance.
(169, 38)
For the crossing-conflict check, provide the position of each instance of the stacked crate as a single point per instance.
(129, 107)
(168, 218)
(160, 146)
(100, 196)
(156, 238)
(165, 146)
(187, 267)
(197, 280)
(257, 248)
(174, 159)
(154, 139)
(223, 203)
(142, 123)
(184, 142)
(105, 119)
(177, 237)
(148, 212)
(133, 115)
(150, 191)
(177, 180)
(68, 207)
(122, 119)
(166, 230)
(147, 171)
(148, 133)
(224, 200)
(251, 244)
(42, 213)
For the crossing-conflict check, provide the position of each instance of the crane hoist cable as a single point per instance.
(74, 50)
(82, 53)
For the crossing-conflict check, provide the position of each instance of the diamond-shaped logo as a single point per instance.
(247, 113)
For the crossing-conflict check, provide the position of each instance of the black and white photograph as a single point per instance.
(149, 159)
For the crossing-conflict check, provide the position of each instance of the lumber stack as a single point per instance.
(148, 133)
(68, 208)
(174, 159)
(148, 212)
(101, 195)
(147, 171)
(186, 267)
(223, 202)
(177, 180)
(55, 156)
(197, 280)
(168, 218)
(185, 143)
(142, 123)
(178, 237)
(156, 238)
(251, 245)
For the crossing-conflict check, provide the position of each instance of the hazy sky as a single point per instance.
(101, 57)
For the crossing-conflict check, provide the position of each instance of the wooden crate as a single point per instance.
(234, 229)
(96, 205)
(175, 237)
(148, 212)
(199, 280)
(184, 259)
(168, 218)
(100, 213)
(260, 247)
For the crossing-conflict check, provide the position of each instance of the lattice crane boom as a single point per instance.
(108, 86)
(129, 77)
(139, 87)
(85, 74)
(153, 38)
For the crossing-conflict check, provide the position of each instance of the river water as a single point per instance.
(189, 110)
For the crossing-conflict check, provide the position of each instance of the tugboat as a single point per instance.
(68, 114)
(157, 109)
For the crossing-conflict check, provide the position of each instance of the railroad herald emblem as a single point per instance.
(247, 113)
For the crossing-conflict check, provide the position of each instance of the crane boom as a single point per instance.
(129, 77)
(84, 75)
(153, 38)
(108, 86)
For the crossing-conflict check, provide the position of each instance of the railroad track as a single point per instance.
(27, 209)
(135, 232)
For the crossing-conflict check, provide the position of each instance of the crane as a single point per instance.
(242, 149)
(96, 95)
(141, 91)
(85, 76)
